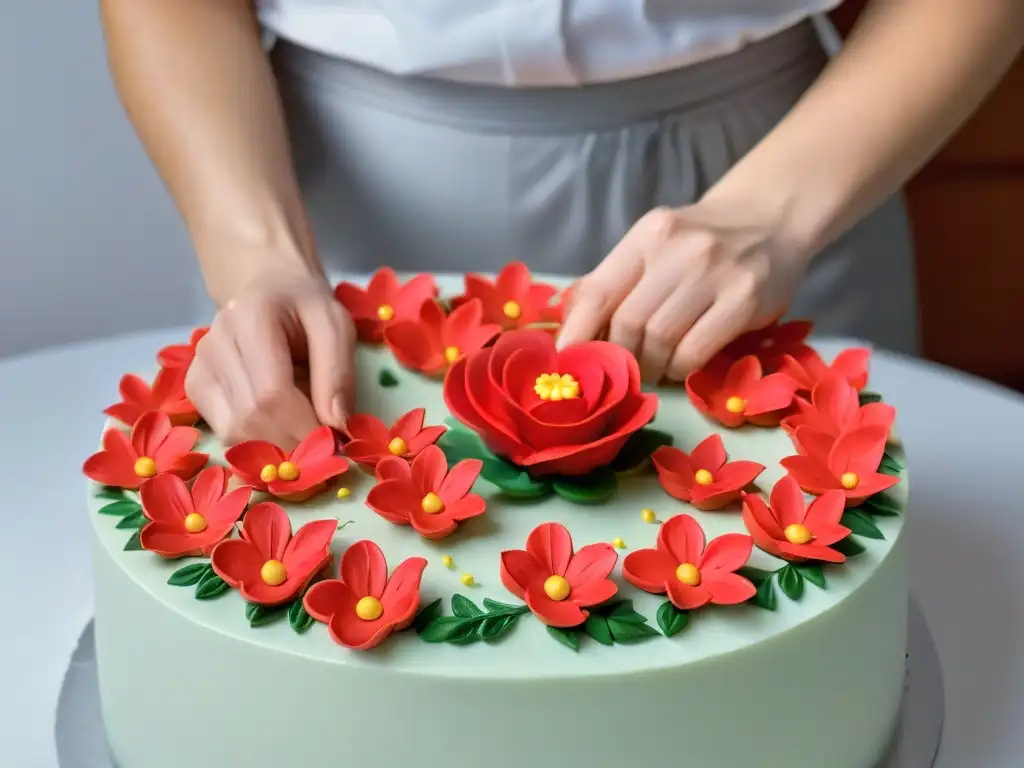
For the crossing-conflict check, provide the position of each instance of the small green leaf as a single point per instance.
(630, 632)
(623, 611)
(869, 397)
(111, 492)
(570, 638)
(755, 575)
(791, 582)
(597, 627)
(121, 508)
(639, 447)
(672, 620)
(595, 488)
(260, 615)
(132, 521)
(188, 576)
(849, 547)
(300, 619)
(861, 524)
(426, 615)
(495, 627)
(812, 572)
(465, 608)
(765, 595)
(889, 465)
(133, 544)
(881, 505)
(211, 586)
(495, 607)
(459, 443)
(450, 629)
(386, 378)
(513, 481)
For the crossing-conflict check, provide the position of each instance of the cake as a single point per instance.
(511, 556)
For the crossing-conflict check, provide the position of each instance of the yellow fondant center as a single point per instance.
(195, 523)
(618, 543)
(451, 354)
(344, 493)
(512, 310)
(447, 561)
(554, 386)
(385, 312)
(369, 608)
(849, 480)
(468, 580)
(398, 447)
(797, 534)
(556, 587)
(273, 573)
(432, 504)
(688, 574)
(288, 471)
(268, 474)
(145, 467)
(735, 404)
(703, 477)
(647, 515)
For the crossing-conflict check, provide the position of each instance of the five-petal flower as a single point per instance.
(431, 343)
(851, 364)
(771, 343)
(370, 440)
(793, 530)
(848, 463)
(513, 300)
(835, 408)
(556, 583)
(741, 394)
(704, 477)
(383, 301)
(294, 476)
(181, 355)
(166, 394)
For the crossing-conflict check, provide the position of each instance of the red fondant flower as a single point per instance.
(792, 530)
(364, 606)
(835, 408)
(185, 523)
(513, 300)
(693, 575)
(427, 496)
(268, 565)
(434, 341)
(154, 447)
(848, 463)
(703, 477)
(370, 440)
(181, 355)
(851, 364)
(383, 301)
(771, 343)
(556, 583)
(556, 412)
(741, 393)
(296, 476)
(167, 394)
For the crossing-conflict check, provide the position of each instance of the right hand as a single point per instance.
(246, 379)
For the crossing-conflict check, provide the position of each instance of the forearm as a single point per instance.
(911, 73)
(198, 88)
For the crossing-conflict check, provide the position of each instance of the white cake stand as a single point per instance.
(81, 742)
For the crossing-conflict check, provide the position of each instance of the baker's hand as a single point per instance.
(247, 376)
(682, 284)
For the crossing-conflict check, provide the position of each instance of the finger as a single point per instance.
(669, 324)
(331, 338)
(205, 394)
(628, 321)
(727, 318)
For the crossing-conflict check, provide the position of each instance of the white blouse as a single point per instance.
(531, 42)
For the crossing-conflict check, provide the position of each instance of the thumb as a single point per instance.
(330, 340)
(596, 296)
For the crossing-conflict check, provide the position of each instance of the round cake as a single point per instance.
(514, 554)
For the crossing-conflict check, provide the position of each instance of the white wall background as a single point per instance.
(90, 244)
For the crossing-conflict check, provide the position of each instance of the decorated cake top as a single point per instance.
(483, 460)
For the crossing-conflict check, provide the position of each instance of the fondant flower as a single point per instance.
(793, 530)
(383, 301)
(268, 565)
(294, 476)
(848, 463)
(434, 341)
(691, 574)
(364, 606)
(704, 477)
(556, 583)
(851, 364)
(153, 448)
(741, 394)
(181, 355)
(426, 495)
(835, 408)
(370, 440)
(187, 523)
(555, 412)
(771, 343)
(513, 300)
(167, 394)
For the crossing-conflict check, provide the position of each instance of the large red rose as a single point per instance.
(553, 412)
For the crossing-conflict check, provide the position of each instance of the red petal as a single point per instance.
(836, 401)
(348, 630)
(734, 476)
(591, 564)
(709, 453)
(249, 458)
(649, 569)
(393, 468)
(209, 487)
(403, 584)
(858, 451)
(426, 437)
(456, 395)
(135, 390)
(432, 526)
(812, 476)
(810, 552)
(727, 588)
(593, 593)
(701, 386)
(410, 297)
(682, 538)
(316, 447)
(179, 441)
(827, 535)
(823, 512)
(367, 453)
(788, 505)
(461, 324)
(550, 544)
(869, 485)
(876, 413)
(268, 529)
(228, 508)
(742, 374)
(459, 480)
(513, 281)
(554, 613)
(686, 598)
(852, 364)
(126, 413)
(367, 427)
(394, 500)
(309, 547)
(186, 465)
(310, 476)
(761, 525)
(364, 569)
(772, 393)
(172, 540)
(428, 469)
(518, 570)
(237, 561)
(165, 498)
(793, 369)
(728, 552)
(675, 471)
(356, 301)
(408, 425)
(814, 444)
(109, 468)
(468, 506)
(412, 345)
(149, 432)
(481, 288)
(327, 598)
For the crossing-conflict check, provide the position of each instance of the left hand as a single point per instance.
(683, 283)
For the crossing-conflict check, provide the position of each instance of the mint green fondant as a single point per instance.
(595, 488)
(791, 582)
(299, 618)
(133, 544)
(386, 378)
(188, 576)
(639, 447)
(672, 620)
(861, 524)
(120, 508)
(813, 573)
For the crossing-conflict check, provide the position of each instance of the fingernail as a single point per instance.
(338, 411)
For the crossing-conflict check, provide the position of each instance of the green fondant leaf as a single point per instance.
(791, 582)
(597, 627)
(890, 465)
(495, 607)
(136, 520)
(639, 447)
(869, 397)
(111, 492)
(623, 611)
(459, 443)
(426, 615)
(121, 508)
(812, 572)
(595, 488)
(849, 547)
(755, 575)
(133, 544)
(495, 627)
(882, 505)
(465, 608)
(386, 378)
(765, 595)
(629, 631)
(570, 638)
(513, 481)
(188, 576)
(861, 524)
(210, 586)
(672, 620)
(300, 619)
(450, 629)
(259, 615)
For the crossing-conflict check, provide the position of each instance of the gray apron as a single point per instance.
(430, 175)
